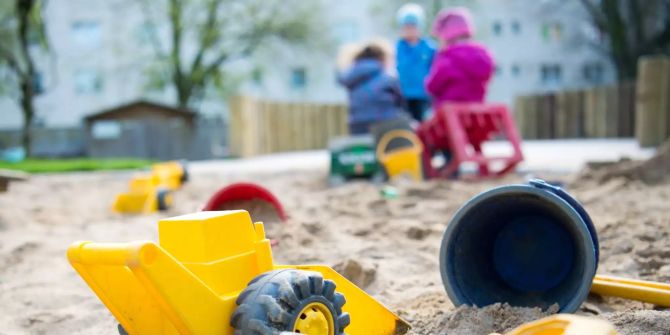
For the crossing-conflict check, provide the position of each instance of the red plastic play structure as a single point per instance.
(244, 192)
(462, 128)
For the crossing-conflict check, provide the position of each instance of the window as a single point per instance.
(106, 130)
(38, 83)
(298, 78)
(86, 34)
(497, 28)
(516, 27)
(593, 72)
(552, 31)
(551, 74)
(516, 70)
(87, 82)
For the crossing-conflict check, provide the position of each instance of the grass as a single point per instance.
(38, 165)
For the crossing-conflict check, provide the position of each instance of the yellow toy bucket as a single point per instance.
(401, 161)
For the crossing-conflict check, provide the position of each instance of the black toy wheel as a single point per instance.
(184, 171)
(290, 301)
(163, 197)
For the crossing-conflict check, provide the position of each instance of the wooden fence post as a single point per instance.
(262, 127)
(595, 113)
(562, 114)
(611, 111)
(652, 118)
(547, 116)
(531, 107)
(244, 126)
(519, 115)
(627, 109)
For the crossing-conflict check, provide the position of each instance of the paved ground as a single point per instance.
(561, 156)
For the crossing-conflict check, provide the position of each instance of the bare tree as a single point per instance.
(631, 29)
(205, 35)
(21, 28)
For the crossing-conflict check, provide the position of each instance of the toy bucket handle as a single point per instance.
(398, 133)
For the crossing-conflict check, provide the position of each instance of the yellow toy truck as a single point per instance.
(212, 274)
(148, 193)
(145, 195)
(172, 174)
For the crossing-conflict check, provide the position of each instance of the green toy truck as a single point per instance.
(353, 158)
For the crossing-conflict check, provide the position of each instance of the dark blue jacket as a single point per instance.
(374, 95)
(414, 63)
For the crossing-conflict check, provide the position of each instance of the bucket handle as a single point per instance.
(398, 133)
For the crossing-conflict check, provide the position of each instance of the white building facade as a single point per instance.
(101, 49)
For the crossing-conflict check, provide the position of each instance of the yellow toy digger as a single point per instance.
(148, 193)
(213, 274)
(145, 195)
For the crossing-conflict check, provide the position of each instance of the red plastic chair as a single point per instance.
(462, 128)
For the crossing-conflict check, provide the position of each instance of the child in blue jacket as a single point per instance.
(374, 95)
(414, 56)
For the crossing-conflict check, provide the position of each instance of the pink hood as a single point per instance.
(453, 23)
(460, 73)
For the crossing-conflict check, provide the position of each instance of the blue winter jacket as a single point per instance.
(414, 63)
(374, 95)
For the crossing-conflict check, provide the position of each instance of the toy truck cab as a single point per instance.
(213, 274)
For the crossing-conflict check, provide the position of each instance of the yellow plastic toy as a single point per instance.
(404, 160)
(565, 324)
(145, 195)
(640, 290)
(170, 174)
(213, 274)
(150, 193)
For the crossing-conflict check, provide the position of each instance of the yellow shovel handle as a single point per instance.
(398, 133)
(640, 290)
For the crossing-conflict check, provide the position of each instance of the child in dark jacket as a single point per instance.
(462, 68)
(374, 95)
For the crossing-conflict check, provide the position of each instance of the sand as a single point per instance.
(387, 246)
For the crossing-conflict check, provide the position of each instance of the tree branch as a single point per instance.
(11, 61)
(153, 38)
(597, 17)
(662, 38)
(175, 13)
(638, 25)
(208, 34)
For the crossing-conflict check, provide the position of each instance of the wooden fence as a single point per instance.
(205, 139)
(597, 112)
(262, 127)
(49, 142)
(640, 110)
(653, 101)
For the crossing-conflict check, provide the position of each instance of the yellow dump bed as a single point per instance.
(189, 283)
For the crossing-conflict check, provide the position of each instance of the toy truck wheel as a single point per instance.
(290, 301)
(164, 198)
(184, 171)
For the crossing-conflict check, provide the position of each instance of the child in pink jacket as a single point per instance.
(462, 68)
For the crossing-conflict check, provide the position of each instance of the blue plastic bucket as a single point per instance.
(527, 245)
